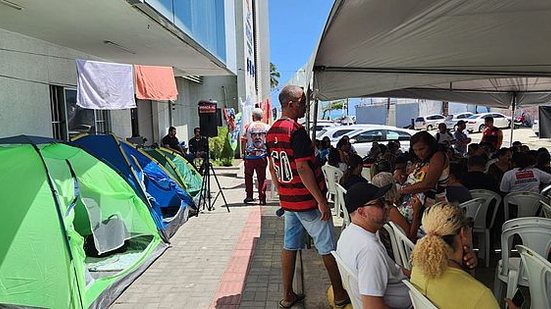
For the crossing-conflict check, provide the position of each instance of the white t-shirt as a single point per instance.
(378, 275)
(528, 179)
(444, 138)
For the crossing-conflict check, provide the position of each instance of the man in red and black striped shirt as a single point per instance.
(301, 188)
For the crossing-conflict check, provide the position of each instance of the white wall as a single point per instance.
(27, 67)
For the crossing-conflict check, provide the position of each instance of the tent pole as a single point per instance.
(513, 107)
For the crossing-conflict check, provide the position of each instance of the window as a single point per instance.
(498, 116)
(369, 136)
(392, 135)
(69, 120)
(419, 119)
(435, 117)
(340, 133)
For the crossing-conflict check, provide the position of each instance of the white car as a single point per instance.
(428, 122)
(335, 133)
(451, 121)
(475, 123)
(363, 136)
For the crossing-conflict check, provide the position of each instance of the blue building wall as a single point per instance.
(203, 20)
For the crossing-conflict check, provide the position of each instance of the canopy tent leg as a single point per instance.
(513, 108)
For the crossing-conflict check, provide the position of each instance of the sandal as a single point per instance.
(298, 298)
(342, 303)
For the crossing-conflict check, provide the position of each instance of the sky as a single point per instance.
(295, 28)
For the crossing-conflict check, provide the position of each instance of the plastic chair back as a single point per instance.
(534, 232)
(545, 191)
(418, 300)
(394, 244)
(546, 208)
(339, 201)
(538, 270)
(488, 196)
(527, 203)
(472, 207)
(405, 245)
(348, 279)
(332, 176)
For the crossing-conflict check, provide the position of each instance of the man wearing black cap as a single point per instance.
(461, 139)
(379, 278)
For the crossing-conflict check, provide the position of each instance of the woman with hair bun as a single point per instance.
(441, 257)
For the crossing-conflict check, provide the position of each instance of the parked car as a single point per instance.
(335, 133)
(363, 138)
(475, 123)
(451, 120)
(536, 127)
(428, 122)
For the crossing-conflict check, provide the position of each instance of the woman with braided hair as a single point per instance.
(442, 258)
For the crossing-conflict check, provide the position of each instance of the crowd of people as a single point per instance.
(419, 190)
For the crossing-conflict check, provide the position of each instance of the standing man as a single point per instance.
(492, 134)
(198, 147)
(461, 139)
(255, 156)
(171, 141)
(301, 188)
(443, 136)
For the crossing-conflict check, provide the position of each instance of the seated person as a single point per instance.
(383, 179)
(379, 280)
(476, 178)
(456, 192)
(170, 141)
(353, 173)
(523, 177)
(198, 146)
(334, 159)
(441, 259)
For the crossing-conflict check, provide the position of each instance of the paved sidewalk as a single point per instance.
(189, 274)
(227, 260)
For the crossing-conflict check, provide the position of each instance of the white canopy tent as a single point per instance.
(488, 52)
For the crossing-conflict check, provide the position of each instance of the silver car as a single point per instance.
(451, 121)
(428, 122)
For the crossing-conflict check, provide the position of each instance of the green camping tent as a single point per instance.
(179, 168)
(73, 233)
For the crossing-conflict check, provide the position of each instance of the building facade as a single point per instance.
(201, 40)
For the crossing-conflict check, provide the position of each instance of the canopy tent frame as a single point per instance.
(457, 51)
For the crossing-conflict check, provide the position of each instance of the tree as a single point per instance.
(274, 76)
(333, 105)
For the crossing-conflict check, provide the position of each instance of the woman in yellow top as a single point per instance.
(438, 270)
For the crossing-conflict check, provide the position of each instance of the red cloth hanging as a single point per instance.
(155, 83)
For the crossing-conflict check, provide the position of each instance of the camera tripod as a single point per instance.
(205, 196)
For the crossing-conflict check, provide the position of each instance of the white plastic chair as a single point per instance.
(535, 233)
(538, 271)
(340, 206)
(405, 245)
(418, 300)
(546, 208)
(480, 226)
(527, 203)
(546, 190)
(348, 278)
(332, 176)
(472, 206)
(394, 244)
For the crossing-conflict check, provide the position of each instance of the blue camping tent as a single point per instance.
(169, 202)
